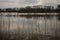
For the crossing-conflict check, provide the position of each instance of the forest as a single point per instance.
(28, 9)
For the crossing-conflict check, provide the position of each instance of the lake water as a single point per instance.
(44, 25)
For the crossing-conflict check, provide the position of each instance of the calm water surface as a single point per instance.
(37, 25)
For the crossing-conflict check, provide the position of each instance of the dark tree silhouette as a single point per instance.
(28, 9)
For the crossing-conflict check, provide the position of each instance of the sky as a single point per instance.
(22, 3)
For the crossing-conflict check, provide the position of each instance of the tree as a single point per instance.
(28, 7)
(58, 6)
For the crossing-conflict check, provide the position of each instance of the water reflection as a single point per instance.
(35, 25)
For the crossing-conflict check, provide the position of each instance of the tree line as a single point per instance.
(28, 9)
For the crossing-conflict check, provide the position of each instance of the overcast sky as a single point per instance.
(20, 3)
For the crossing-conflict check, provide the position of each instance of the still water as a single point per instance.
(46, 25)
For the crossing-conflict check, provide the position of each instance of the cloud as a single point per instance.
(31, 1)
(15, 3)
(8, 3)
(20, 3)
(39, 2)
(48, 1)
